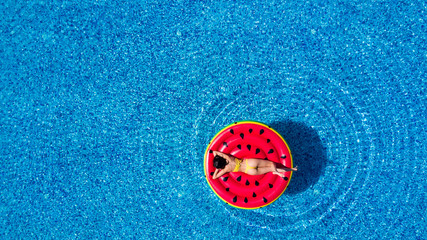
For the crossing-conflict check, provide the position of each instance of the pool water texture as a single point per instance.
(107, 107)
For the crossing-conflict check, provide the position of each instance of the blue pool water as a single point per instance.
(106, 109)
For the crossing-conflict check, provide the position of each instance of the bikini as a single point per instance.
(248, 167)
(238, 161)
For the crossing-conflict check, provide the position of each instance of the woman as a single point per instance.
(225, 163)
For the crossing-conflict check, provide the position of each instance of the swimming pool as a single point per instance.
(107, 109)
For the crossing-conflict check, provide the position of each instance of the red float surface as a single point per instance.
(249, 139)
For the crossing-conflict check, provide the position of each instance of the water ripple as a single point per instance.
(343, 128)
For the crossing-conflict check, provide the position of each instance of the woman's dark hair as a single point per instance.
(219, 162)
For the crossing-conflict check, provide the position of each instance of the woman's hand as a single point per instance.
(215, 153)
(215, 174)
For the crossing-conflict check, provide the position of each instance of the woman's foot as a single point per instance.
(295, 168)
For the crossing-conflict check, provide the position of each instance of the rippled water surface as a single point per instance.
(106, 109)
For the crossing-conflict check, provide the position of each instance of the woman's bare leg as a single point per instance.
(259, 171)
(278, 173)
(265, 166)
(285, 169)
(273, 169)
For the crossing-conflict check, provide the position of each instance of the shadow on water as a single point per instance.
(308, 154)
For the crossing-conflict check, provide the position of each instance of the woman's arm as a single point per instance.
(218, 173)
(220, 154)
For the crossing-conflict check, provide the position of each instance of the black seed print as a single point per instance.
(250, 130)
(225, 179)
(212, 173)
(239, 178)
(239, 147)
(268, 140)
(265, 158)
(283, 156)
(232, 131)
(225, 144)
(210, 151)
(227, 189)
(235, 199)
(257, 151)
(265, 199)
(235, 123)
(247, 183)
(254, 195)
(246, 200)
(271, 185)
(286, 178)
(256, 183)
(242, 135)
(261, 131)
(249, 147)
(271, 151)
